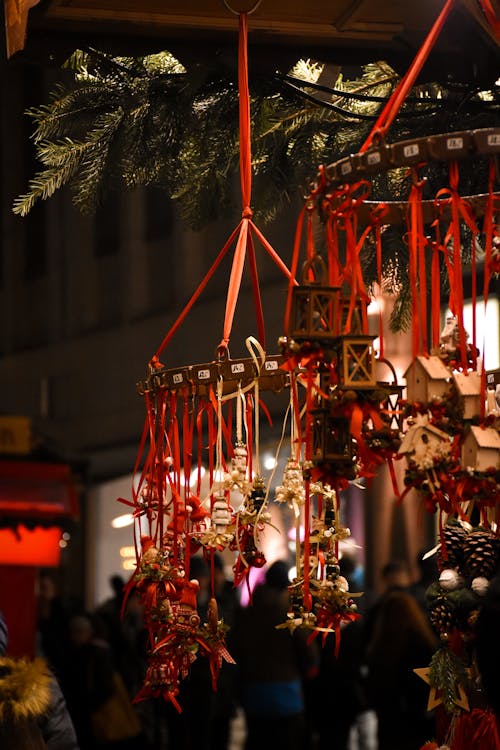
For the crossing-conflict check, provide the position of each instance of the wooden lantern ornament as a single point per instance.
(315, 306)
(331, 439)
(356, 362)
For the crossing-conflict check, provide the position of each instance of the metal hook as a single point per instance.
(238, 13)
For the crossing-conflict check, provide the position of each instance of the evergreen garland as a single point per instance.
(126, 122)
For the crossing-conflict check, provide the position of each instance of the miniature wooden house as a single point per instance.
(427, 378)
(423, 443)
(468, 386)
(481, 449)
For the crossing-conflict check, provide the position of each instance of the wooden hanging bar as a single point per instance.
(383, 157)
(233, 373)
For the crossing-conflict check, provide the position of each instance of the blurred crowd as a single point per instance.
(285, 690)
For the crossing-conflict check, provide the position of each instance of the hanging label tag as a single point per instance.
(272, 377)
(271, 365)
(345, 167)
(452, 144)
(176, 378)
(241, 370)
(411, 150)
(373, 158)
(203, 374)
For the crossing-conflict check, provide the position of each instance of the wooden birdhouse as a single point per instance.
(331, 438)
(427, 378)
(315, 306)
(481, 449)
(423, 443)
(356, 362)
(468, 387)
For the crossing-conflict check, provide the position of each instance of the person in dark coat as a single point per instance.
(33, 712)
(402, 640)
(90, 683)
(271, 666)
(486, 645)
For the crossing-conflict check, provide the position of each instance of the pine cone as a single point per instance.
(441, 615)
(481, 554)
(453, 537)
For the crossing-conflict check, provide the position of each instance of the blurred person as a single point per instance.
(271, 666)
(402, 640)
(338, 701)
(428, 574)
(52, 622)
(123, 632)
(486, 645)
(225, 704)
(33, 712)
(97, 700)
(395, 576)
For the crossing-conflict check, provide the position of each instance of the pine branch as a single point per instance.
(447, 672)
(90, 183)
(126, 122)
(45, 183)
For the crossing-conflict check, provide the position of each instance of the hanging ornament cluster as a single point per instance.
(189, 414)
(468, 558)
(344, 420)
(200, 419)
(452, 444)
(342, 423)
(451, 438)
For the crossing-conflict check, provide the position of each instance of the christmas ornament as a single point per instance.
(480, 585)
(449, 580)
(448, 679)
(344, 420)
(189, 426)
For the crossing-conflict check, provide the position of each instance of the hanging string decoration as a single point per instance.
(468, 558)
(344, 422)
(203, 418)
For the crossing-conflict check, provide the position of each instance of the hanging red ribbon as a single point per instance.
(460, 211)
(491, 16)
(376, 220)
(246, 226)
(404, 87)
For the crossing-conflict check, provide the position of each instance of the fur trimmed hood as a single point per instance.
(24, 688)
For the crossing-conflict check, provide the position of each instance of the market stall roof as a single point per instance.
(343, 32)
